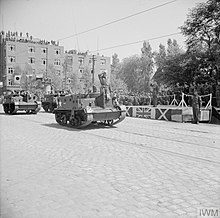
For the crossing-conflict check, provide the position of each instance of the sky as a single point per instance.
(76, 23)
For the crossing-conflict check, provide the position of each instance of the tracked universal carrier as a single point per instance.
(49, 102)
(80, 110)
(12, 103)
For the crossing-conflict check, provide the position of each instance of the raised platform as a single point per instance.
(167, 112)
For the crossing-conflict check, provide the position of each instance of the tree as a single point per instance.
(169, 63)
(202, 30)
(86, 81)
(146, 67)
(74, 85)
(129, 71)
(173, 48)
(56, 80)
(159, 58)
(116, 83)
(136, 71)
(27, 77)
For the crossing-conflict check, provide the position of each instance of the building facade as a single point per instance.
(27, 55)
(31, 57)
(78, 63)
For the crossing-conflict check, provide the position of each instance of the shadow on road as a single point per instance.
(17, 113)
(68, 128)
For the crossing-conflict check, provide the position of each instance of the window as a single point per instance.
(31, 49)
(103, 62)
(44, 61)
(10, 82)
(33, 71)
(81, 70)
(11, 47)
(57, 51)
(11, 70)
(44, 50)
(31, 60)
(11, 59)
(58, 72)
(81, 60)
(56, 62)
(69, 60)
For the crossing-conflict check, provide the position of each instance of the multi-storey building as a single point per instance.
(78, 63)
(27, 55)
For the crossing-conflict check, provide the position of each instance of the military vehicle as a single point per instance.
(81, 110)
(14, 102)
(49, 102)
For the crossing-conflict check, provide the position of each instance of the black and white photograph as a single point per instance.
(109, 108)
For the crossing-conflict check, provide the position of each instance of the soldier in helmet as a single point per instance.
(155, 93)
(196, 106)
(105, 88)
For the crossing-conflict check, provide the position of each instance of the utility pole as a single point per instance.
(46, 81)
(93, 74)
(65, 68)
(46, 61)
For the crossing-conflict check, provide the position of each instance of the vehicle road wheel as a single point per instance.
(73, 122)
(78, 121)
(28, 111)
(58, 117)
(6, 109)
(110, 122)
(63, 119)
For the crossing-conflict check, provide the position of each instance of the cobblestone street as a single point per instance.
(139, 168)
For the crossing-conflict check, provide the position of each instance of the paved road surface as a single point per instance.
(140, 168)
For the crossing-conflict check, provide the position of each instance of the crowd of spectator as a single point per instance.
(172, 95)
(19, 37)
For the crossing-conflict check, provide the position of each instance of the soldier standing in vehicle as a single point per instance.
(105, 88)
(196, 107)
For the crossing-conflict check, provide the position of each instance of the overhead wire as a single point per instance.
(109, 23)
(118, 20)
(112, 22)
(131, 43)
(121, 45)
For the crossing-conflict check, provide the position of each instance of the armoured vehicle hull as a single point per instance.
(80, 111)
(49, 103)
(14, 103)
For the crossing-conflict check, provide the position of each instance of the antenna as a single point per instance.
(77, 38)
(93, 73)
(97, 46)
(3, 22)
(46, 60)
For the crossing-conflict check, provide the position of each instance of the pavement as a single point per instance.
(139, 168)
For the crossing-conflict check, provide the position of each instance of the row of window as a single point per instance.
(11, 70)
(31, 60)
(31, 49)
(57, 62)
(81, 61)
